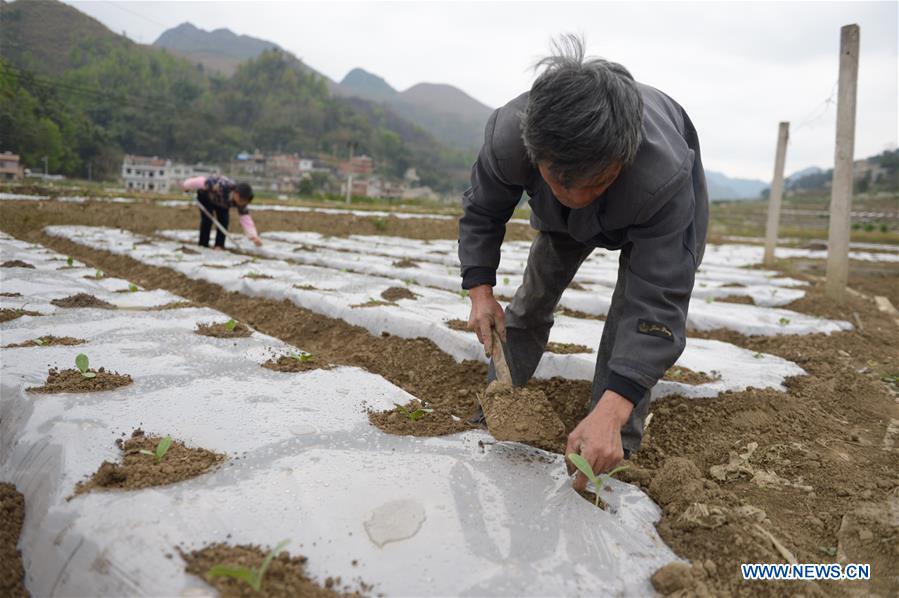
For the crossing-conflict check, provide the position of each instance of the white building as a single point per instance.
(158, 175)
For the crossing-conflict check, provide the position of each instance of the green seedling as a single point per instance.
(505, 280)
(39, 342)
(585, 469)
(783, 321)
(380, 223)
(303, 357)
(83, 365)
(162, 447)
(70, 260)
(415, 415)
(253, 577)
(463, 293)
(709, 299)
(757, 355)
(230, 325)
(132, 287)
(98, 274)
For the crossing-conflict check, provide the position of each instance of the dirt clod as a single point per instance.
(73, 381)
(396, 293)
(139, 470)
(289, 363)
(7, 315)
(12, 516)
(673, 577)
(434, 423)
(405, 263)
(220, 330)
(567, 348)
(7, 294)
(677, 373)
(48, 341)
(16, 264)
(460, 325)
(83, 300)
(521, 415)
(286, 576)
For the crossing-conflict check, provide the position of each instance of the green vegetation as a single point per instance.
(39, 342)
(132, 287)
(783, 321)
(81, 95)
(585, 468)
(230, 325)
(83, 365)
(412, 415)
(253, 577)
(162, 447)
(303, 357)
(70, 260)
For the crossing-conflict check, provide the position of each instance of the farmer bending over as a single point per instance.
(607, 162)
(218, 195)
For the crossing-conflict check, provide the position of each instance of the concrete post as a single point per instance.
(841, 190)
(774, 198)
(349, 177)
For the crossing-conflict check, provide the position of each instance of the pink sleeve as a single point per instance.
(194, 183)
(249, 228)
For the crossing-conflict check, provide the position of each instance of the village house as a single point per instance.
(10, 169)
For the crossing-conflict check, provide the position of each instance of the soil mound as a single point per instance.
(742, 299)
(286, 576)
(460, 325)
(73, 381)
(139, 470)
(10, 294)
(188, 250)
(220, 330)
(433, 423)
(11, 314)
(289, 363)
(688, 376)
(372, 303)
(48, 341)
(521, 415)
(83, 300)
(257, 276)
(405, 263)
(16, 264)
(12, 516)
(567, 348)
(396, 293)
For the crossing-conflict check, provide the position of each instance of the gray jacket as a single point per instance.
(657, 210)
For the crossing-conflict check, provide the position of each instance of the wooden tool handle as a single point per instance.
(499, 359)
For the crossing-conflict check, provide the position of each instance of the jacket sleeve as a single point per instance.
(249, 227)
(659, 277)
(486, 208)
(194, 183)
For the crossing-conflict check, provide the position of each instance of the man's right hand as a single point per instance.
(486, 314)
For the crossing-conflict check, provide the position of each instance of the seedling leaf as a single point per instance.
(303, 357)
(83, 365)
(162, 448)
(230, 325)
(268, 561)
(585, 468)
(240, 573)
(783, 321)
(39, 342)
(98, 274)
(70, 260)
(132, 287)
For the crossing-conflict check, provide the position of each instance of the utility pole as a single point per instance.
(45, 166)
(349, 179)
(774, 198)
(841, 189)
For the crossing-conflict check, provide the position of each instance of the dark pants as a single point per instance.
(552, 263)
(221, 214)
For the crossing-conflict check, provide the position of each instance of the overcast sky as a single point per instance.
(737, 67)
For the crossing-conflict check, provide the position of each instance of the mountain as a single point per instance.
(83, 99)
(811, 170)
(453, 117)
(722, 186)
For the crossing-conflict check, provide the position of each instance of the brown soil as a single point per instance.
(567, 348)
(16, 264)
(677, 373)
(741, 299)
(306, 287)
(573, 313)
(173, 305)
(219, 330)
(460, 325)
(396, 293)
(188, 251)
(435, 423)
(83, 300)
(11, 314)
(48, 341)
(73, 381)
(522, 415)
(138, 470)
(372, 303)
(12, 516)
(286, 576)
(405, 263)
(256, 276)
(827, 431)
(288, 363)
(576, 286)
(10, 294)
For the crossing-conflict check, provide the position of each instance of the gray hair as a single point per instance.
(583, 114)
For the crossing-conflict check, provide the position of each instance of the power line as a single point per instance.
(820, 110)
(137, 14)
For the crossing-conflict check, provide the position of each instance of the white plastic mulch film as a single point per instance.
(455, 515)
(348, 285)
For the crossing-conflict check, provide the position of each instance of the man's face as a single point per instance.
(583, 194)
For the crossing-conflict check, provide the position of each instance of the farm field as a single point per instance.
(774, 439)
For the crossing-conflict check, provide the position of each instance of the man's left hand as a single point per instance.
(257, 241)
(598, 437)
